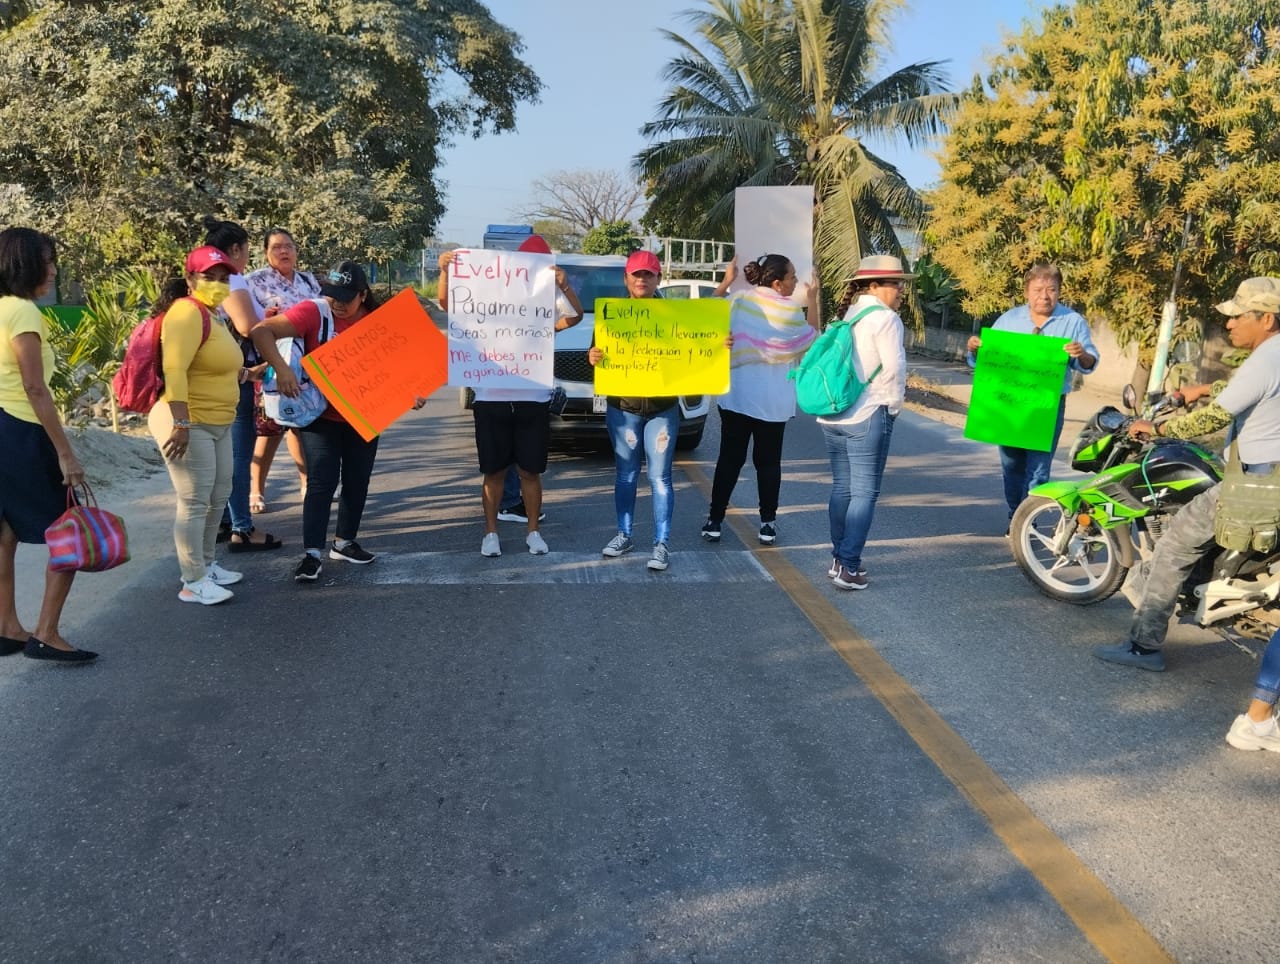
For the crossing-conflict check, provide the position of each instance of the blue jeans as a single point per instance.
(1024, 469)
(511, 496)
(1267, 687)
(627, 432)
(858, 453)
(244, 435)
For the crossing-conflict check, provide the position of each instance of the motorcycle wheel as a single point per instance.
(1087, 573)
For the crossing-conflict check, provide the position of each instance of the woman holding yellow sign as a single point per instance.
(641, 427)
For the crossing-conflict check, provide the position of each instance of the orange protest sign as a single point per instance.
(372, 372)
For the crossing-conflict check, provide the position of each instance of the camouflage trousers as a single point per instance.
(1188, 537)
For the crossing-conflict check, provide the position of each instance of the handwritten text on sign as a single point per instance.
(655, 347)
(1017, 388)
(373, 371)
(502, 319)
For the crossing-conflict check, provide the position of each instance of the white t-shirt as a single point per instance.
(563, 309)
(239, 284)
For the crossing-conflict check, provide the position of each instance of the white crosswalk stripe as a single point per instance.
(562, 568)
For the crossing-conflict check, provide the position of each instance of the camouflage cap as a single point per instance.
(1254, 294)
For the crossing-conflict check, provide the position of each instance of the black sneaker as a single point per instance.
(308, 569)
(518, 513)
(711, 530)
(768, 533)
(351, 552)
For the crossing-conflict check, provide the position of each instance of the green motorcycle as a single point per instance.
(1075, 541)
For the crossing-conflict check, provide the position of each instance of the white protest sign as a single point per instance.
(774, 220)
(502, 318)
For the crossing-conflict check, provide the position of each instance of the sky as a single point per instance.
(601, 63)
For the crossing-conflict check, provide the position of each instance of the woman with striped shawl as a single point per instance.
(770, 333)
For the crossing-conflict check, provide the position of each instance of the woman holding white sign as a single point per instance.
(771, 333)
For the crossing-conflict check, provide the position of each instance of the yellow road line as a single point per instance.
(1102, 919)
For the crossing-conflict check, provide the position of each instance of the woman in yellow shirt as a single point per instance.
(192, 421)
(38, 462)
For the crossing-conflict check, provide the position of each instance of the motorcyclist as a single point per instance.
(1250, 404)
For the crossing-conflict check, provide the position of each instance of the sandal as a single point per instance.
(245, 542)
(257, 504)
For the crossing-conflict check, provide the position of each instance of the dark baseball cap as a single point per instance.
(344, 281)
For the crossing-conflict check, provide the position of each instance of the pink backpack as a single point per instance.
(139, 383)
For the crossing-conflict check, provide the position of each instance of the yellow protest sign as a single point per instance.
(654, 347)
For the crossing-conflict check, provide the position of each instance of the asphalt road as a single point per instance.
(442, 758)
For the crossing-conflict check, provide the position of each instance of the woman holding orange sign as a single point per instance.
(335, 451)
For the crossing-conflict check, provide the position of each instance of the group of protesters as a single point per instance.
(220, 334)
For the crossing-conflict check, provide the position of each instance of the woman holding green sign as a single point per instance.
(1024, 469)
(858, 438)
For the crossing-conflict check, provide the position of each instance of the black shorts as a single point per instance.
(31, 491)
(512, 433)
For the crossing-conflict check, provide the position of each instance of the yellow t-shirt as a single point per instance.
(18, 316)
(204, 376)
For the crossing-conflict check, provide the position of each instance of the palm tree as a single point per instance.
(779, 92)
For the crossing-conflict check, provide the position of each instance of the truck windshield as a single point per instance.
(591, 282)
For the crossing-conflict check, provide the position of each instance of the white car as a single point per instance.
(688, 288)
(592, 277)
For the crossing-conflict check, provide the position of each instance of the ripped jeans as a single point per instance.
(657, 432)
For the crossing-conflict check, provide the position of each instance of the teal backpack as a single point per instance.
(826, 383)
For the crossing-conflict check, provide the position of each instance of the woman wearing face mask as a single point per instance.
(192, 421)
(335, 451)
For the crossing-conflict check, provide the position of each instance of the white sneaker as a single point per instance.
(223, 577)
(1244, 735)
(537, 545)
(204, 591)
(490, 546)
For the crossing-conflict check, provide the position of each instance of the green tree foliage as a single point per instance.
(560, 235)
(123, 123)
(611, 237)
(1097, 131)
(89, 352)
(786, 92)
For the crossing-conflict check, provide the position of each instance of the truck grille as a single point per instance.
(572, 366)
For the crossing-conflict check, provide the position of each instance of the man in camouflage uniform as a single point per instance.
(1250, 404)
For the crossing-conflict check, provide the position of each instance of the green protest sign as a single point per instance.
(1017, 388)
(656, 347)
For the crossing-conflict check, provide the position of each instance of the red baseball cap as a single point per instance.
(202, 259)
(643, 261)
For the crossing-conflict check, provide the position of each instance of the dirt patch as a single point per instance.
(114, 460)
(925, 398)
